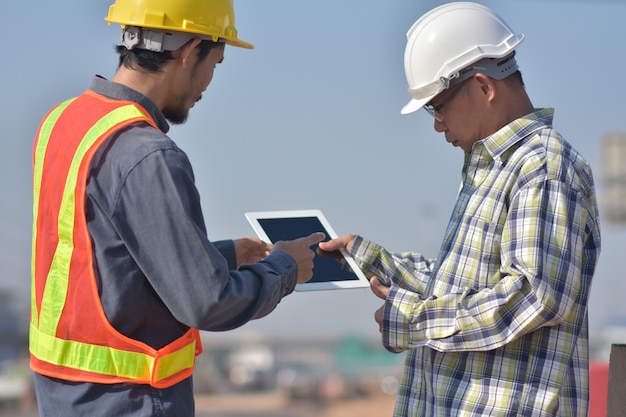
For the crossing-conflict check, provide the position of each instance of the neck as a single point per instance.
(149, 84)
(513, 102)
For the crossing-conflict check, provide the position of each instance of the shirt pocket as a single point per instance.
(481, 242)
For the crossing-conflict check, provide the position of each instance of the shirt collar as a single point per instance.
(498, 143)
(118, 91)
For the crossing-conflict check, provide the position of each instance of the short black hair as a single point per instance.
(517, 77)
(152, 61)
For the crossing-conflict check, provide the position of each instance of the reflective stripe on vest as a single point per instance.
(61, 356)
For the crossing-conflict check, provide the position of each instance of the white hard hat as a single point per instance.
(444, 43)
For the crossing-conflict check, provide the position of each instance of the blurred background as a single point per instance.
(311, 119)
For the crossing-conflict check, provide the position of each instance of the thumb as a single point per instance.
(314, 238)
(378, 288)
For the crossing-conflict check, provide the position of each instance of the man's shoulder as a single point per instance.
(546, 155)
(136, 144)
(137, 141)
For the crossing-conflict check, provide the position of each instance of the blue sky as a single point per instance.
(311, 119)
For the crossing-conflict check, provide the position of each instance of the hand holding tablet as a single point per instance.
(332, 270)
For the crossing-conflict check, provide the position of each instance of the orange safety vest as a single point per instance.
(70, 336)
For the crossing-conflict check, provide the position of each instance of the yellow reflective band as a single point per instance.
(89, 358)
(108, 361)
(175, 362)
(40, 151)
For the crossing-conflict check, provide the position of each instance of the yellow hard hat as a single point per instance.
(208, 19)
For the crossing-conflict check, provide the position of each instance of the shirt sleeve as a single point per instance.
(160, 221)
(227, 249)
(403, 269)
(542, 248)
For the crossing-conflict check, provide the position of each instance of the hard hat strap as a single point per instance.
(496, 68)
(156, 40)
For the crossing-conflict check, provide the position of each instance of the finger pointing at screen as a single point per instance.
(300, 250)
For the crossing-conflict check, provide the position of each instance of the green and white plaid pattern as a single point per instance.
(497, 324)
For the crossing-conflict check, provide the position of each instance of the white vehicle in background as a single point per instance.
(250, 367)
(14, 383)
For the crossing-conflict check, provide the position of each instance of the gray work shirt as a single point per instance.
(158, 274)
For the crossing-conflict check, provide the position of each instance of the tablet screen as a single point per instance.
(327, 266)
(331, 270)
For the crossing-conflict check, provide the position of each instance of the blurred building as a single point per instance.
(13, 329)
(14, 373)
(613, 175)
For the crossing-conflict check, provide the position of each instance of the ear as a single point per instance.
(487, 86)
(186, 51)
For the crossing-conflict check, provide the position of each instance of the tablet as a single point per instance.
(331, 270)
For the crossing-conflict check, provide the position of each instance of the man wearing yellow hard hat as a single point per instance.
(124, 275)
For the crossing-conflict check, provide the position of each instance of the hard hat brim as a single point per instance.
(238, 43)
(413, 106)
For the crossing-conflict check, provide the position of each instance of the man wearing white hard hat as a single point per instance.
(124, 274)
(496, 325)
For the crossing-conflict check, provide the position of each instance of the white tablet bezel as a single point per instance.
(360, 282)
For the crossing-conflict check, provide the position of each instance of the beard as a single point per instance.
(178, 115)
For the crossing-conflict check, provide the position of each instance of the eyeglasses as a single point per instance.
(435, 111)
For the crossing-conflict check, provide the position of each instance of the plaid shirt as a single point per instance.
(497, 325)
